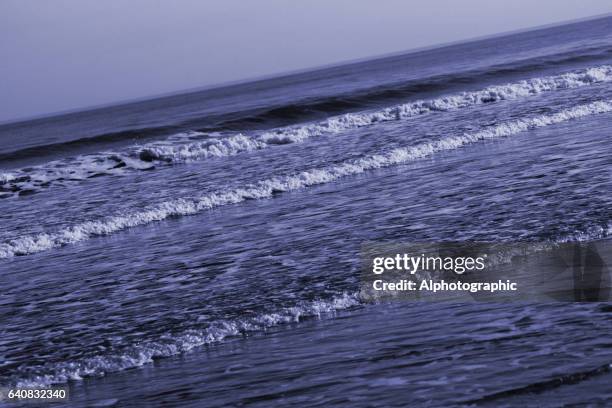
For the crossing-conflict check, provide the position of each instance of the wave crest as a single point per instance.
(269, 187)
(170, 345)
(191, 146)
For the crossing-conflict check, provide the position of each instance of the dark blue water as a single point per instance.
(203, 249)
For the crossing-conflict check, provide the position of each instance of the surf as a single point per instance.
(270, 187)
(190, 146)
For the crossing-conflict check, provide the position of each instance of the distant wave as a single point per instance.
(173, 344)
(173, 152)
(189, 146)
(362, 99)
(76, 145)
(269, 187)
(316, 108)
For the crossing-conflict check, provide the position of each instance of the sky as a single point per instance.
(71, 54)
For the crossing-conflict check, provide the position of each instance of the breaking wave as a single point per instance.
(269, 187)
(190, 146)
(360, 99)
(170, 345)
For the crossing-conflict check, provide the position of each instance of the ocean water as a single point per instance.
(203, 249)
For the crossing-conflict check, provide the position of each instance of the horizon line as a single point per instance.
(285, 74)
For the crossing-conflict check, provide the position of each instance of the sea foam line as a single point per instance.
(170, 345)
(267, 188)
(338, 124)
(185, 147)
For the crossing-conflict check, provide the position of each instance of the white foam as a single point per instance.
(6, 177)
(342, 123)
(267, 188)
(490, 94)
(191, 146)
(170, 345)
(213, 147)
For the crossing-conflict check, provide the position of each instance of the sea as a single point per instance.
(202, 249)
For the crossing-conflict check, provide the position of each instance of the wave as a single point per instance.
(270, 187)
(190, 146)
(76, 145)
(312, 109)
(171, 344)
(315, 108)
(338, 124)
(490, 94)
(171, 152)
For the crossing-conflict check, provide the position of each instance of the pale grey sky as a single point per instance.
(70, 54)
